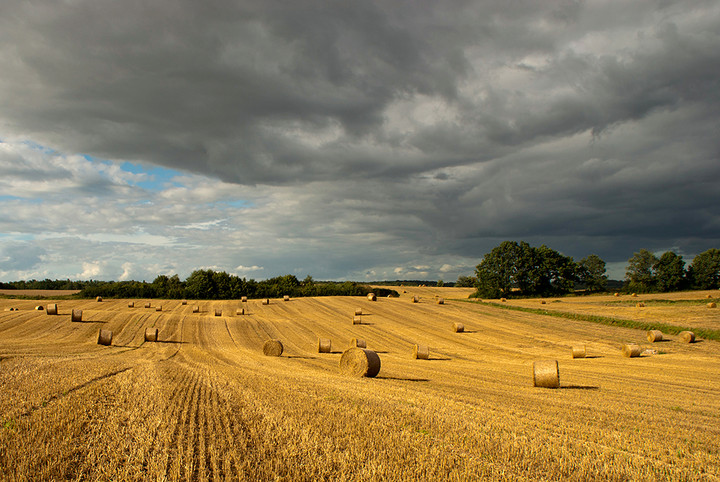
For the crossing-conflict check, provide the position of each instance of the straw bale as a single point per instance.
(266, 301)
(51, 309)
(104, 337)
(371, 297)
(218, 312)
(324, 345)
(687, 336)
(196, 309)
(360, 362)
(421, 352)
(708, 296)
(546, 374)
(131, 304)
(542, 302)
(76, 315)
(158, 308)
(458, 327)
(240, 311)
(640, 305)
(273, 348)
(358, 311)
(578, 351)
(634, 295)
(357, 320)
(416, 299)
(654, 335)
(98, 298)
(441, 301)
(616, 295)
(357, 343)
(148, 305)
(631, 350)
(711, 305)
(243, 299)
(503, 300)
(183, 302)
(39, 308)
(286, 298)
(151, 334)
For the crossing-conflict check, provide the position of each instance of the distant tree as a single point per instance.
(669, 272)
(639, 274)
(440, 283)
(705, 270)
(199, 285)
(497, 272)
(553, 273)
(591, 273)
(466, 282)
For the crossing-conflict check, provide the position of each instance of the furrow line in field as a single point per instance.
(177, 421)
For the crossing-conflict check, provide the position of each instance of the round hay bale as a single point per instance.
(147, 304)
(240, 311)
(51, 309)
(542, 302)
(151, 334)
(357, 343)
(711, 305)
(416, 299)
(131, 304)
(243, 299)
(358, 311)
(458, 327)
(421, 352)
(39, 308)
(546, 374)
(634, 295)
(158, 308)
(105, 337)
(441, 301)
(196, 309)
(266, 301)
(218, 312)
(286, 298)
(503, 300)
(631, 350)
(273, 348)
(183, 302)
(357, 320)
(708, 296)
(371, 297)
(616, 295)
(76, 315)
(98, 298)
(687, 336)
(324, 345)
(360, 362)
(640, 305)
(654, 335)
(578, 351)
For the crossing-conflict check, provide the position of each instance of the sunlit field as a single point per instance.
(204, 403)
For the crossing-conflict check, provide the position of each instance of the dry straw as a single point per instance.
(441, 301)
(546, 374)
(634, 295)
(240, 311)
(542, 302)
(273, 348)
(158, 308)
(218, 312)
(357, 320)
(196, 309)
(372, 297)
(711, 305)
(360, 362)
(105, 337)
(503, 300)
(631, 350)
(654, 335)
(51, 309)
(687, 336)
(640, 305)
(616, 295)
(708, 296)
(421, 352)
(458, 327)
(131, 304)
(183, 302)
(416, 299)
(151, 334)
(39, 308)
(357, 343)
(358, 311)
(243, 299)
(324, 345)
(99, 298)
(286, 298)
(76, 315)
(578, 351)
(266, 301)
(147, 304)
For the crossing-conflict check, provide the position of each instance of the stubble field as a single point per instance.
(203, 403)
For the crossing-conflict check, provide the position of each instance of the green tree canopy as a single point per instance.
(669, 272)
(705, 270)
(638, 273)
(591, 273)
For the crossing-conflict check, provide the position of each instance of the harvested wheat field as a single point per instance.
(205, 403)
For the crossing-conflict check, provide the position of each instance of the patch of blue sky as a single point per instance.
(234, 203)
(34, 200)
(156, 179)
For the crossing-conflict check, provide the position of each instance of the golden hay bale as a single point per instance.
(421, 352)
(266, 301)
(218, 312)
(240, 311)
(286, 298)
(10, 309)
(616, 295)
(503, 300)
(357, 343)
(578, 351)
(416, 299)
(458, 327)
(98, 298)
(131, 304)
(273, 348)
(324, 345)
(631, 350)
(687, 336)
(441, 301)
(358, 311)
(183, 302)
(147, 304)
(640, 305)
(196, 309)
(51, 309)
(708, 296)
(76, 315)
(158, 308)
(372, 297)
(243, 299)
(39, 308)
(542, 302)
(360, 362)
(546, 374)
(151, 334)
(654, 335)
(357, 320)
(634, 295)
(711, 305)
(105, 337)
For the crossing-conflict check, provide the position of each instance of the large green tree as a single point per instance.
(705, 270)
(591, 273)
(669, 272)
(639, 274)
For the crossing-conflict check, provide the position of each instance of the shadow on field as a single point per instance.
(439, 359)
(302, 357)
(579, 387)
(405, 379)
(591, 356)
(171, 342)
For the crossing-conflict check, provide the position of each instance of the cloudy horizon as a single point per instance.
(362, 140)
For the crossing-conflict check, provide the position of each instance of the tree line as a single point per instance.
(518, 269)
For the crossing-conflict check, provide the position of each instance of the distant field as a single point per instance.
(205, 404)
(46, 293)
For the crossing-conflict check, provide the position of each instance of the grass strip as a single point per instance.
(705, 333)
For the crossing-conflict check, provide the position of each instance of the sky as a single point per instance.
(352, 140)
